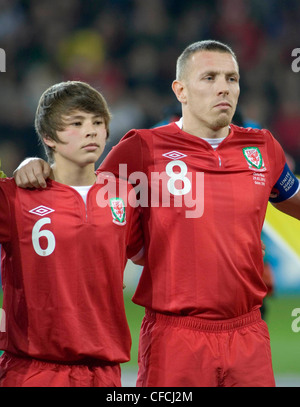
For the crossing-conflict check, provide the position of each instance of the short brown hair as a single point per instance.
(206, 45)
(60, 100)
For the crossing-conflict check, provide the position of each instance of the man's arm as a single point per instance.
(290, 206)
(32, 173)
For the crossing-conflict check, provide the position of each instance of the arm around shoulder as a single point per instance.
(32, 173)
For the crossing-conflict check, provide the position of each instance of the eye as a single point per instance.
(76, 124)
(99, 122)
(233, 79)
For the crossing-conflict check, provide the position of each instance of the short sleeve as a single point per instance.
(135, 245)
(124, 158)
(135, 240)
(277, 159)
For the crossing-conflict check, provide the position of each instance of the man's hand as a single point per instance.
(32, 173)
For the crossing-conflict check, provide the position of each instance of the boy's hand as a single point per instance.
(32, 173)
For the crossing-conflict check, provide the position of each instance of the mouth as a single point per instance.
(91, 147)
(223, 105)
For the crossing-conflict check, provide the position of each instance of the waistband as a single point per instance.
(203, 324)
(90, 362)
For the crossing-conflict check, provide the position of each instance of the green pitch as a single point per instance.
(284, 339)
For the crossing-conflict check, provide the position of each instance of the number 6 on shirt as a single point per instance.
(37, 233)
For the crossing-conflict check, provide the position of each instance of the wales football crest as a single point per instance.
(254, 158)
(117, 207)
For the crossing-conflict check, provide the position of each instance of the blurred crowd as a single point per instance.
(127, 49)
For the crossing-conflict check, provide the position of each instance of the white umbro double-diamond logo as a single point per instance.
(174, 155)
(41, 210)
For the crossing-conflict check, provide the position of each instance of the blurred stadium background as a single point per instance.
(127, 49)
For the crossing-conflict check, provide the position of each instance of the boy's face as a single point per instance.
(82, 140)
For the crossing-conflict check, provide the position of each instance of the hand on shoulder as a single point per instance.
(32, 173)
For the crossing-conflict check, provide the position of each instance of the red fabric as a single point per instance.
(190, 352)
(23, 372)
(210, 265)
(62, 273)
(268, 278)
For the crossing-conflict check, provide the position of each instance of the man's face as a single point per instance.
(209, 89)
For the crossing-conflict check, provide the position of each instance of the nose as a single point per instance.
(223, 88)
(91, 134)
(91, 130)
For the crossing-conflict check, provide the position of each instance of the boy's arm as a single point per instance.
(32, 173)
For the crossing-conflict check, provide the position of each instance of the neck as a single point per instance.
(202, 129)
(74, 177)
(205, 132)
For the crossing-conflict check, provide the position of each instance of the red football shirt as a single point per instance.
(62, 271)
(202, 217)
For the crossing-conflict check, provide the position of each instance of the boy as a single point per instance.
(62, 281)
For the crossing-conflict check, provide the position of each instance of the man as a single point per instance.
(62, 282)
(209, 183)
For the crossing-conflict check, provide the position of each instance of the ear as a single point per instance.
(49, 142)
(179, 90)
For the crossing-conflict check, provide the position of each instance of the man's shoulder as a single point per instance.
(109, 179)
(167, 129)
(252, 133)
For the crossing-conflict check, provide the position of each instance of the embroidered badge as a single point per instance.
(254, 158)
(117, 207)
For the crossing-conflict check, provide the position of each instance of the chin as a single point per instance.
(87, 162)
(221, 122)
(92, 158)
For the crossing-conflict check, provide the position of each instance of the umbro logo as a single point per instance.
(174, 155)
(41, 210)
